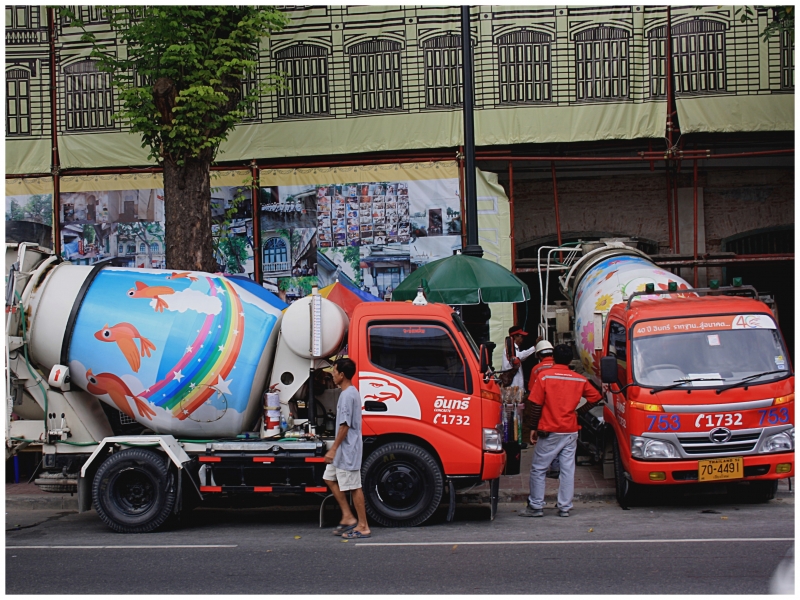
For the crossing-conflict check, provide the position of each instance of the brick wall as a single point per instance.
(736, 201)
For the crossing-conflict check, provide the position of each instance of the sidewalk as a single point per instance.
(589, 485)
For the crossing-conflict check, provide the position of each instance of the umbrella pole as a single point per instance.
(470, 186)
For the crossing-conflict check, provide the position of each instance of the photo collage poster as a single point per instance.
(29, 218)
(371, 234)
(126, 228)
(232, 230)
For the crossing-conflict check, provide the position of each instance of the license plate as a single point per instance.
(717, 469)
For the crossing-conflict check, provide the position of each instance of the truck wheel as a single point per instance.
(403, 485)
(628, 492)
(134, 491)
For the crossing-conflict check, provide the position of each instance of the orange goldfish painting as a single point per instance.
(107, 383)
(124, 335)
(148, 291)
(184, 275)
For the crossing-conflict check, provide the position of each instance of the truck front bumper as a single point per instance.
(493, 465)
(758, 466)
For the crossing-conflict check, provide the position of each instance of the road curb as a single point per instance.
(69, 502)
(49, 502)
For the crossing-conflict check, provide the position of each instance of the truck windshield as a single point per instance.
(713, 357)
(463, 329)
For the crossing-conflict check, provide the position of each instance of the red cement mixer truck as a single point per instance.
(698, 383)
(149, 392)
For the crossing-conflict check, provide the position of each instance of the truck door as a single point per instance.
(417, 371)
(617, 346)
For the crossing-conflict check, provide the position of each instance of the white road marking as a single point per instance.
(545, 542)
(142, 547)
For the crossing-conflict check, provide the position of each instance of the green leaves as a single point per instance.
(782, 19)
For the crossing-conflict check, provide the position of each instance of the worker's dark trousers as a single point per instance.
(562, 446)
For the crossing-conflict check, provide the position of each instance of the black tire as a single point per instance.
(628, 492)
(759, 492)
(403, 485)
(134, 491)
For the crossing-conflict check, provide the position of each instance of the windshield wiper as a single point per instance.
(679, 382)
(750, 378)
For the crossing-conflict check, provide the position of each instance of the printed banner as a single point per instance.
(713, 323)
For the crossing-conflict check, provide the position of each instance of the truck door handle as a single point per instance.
(375, 406)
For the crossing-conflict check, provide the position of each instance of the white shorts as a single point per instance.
(347, 480)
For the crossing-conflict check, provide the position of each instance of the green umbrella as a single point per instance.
(462, 279)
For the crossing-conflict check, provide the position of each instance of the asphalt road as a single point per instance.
(700, 546)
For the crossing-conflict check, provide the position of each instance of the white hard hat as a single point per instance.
(543, 345)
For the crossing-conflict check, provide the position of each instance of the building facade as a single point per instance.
(597, 121)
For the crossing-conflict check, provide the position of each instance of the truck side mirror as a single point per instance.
(608, 369)
(484, 359)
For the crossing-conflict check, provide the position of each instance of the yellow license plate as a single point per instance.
(717, 469)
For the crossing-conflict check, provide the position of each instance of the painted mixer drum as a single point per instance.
(183, 353)
(607, 283)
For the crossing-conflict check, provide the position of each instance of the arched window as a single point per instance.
(121, 249)
(305, 91)
(89, 99)
(443, 74)
(142, 248)
(18, 106)
(131, 248)
(601, 64)
(524, 64)
(698, 58)
(375, 76)
(155, 248)
(250, 82)
(276, 255)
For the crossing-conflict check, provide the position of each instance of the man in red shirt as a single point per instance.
(555, 395)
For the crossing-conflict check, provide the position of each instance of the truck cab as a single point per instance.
(429, 414)
(700, 389)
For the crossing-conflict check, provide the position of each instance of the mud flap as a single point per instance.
(451, 509)
(84, 493)
(494, 496)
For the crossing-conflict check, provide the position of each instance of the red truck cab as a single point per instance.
(430, 418)
(704, 393)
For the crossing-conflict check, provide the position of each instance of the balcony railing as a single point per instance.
(18, 37)
(275, 267)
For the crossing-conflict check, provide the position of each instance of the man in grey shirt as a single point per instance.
(343, 472)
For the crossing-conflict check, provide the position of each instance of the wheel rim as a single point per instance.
(400, 486)
(133, 491)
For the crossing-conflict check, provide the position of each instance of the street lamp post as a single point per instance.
(470, 187)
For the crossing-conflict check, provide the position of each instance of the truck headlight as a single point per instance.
(492, 440)
(780, 442)
(648, 448)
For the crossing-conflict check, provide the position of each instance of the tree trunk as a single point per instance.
(187, 207)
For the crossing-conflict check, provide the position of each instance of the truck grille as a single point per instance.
(699, 443)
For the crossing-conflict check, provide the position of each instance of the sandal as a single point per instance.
(342, 528)
(356, 535)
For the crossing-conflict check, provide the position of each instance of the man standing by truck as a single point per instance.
(554, 429)
(517, 334)
(544, 354)
(343, 472)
